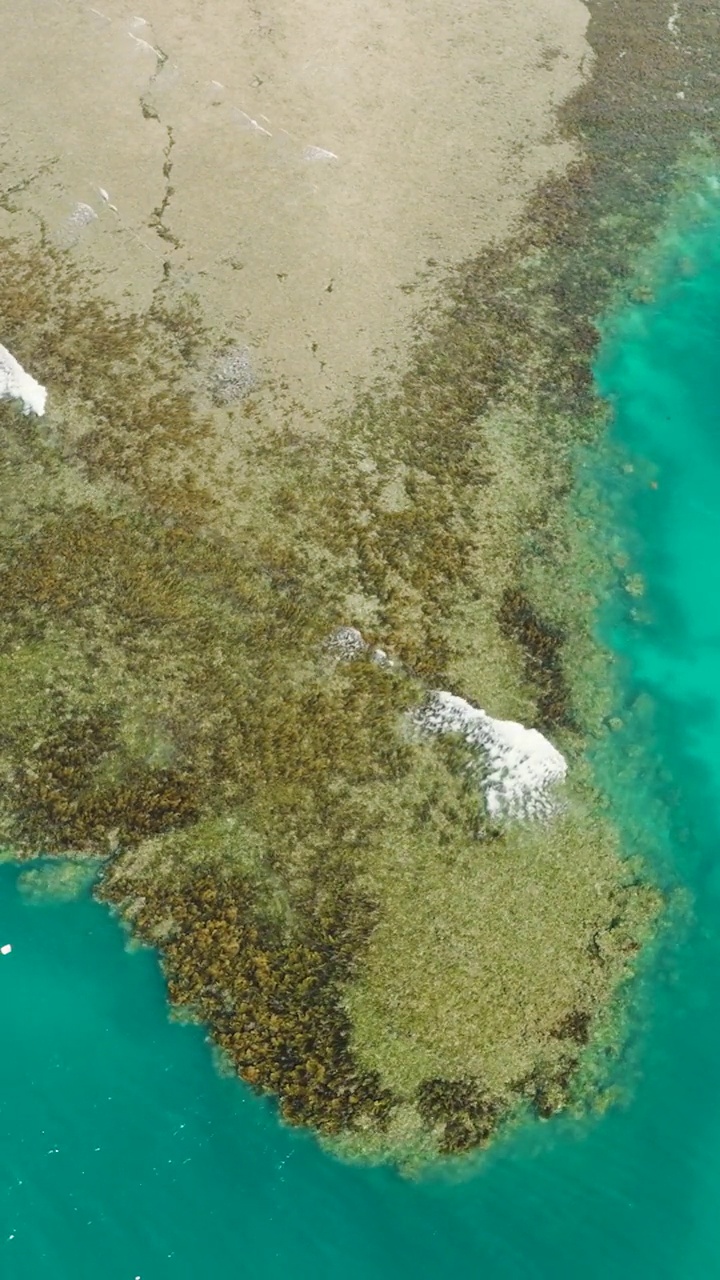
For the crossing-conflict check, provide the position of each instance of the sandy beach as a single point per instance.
(308, 170)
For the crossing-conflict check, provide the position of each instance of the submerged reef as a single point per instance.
(370, 923)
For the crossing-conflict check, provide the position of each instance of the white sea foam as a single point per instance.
(519, 770)
(522, 769)
(16, 384)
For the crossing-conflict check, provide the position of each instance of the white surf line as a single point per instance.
(523, 769)
(16, 384)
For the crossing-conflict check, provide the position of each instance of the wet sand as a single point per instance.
(306, 169)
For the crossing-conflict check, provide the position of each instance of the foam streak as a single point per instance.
(16, 384)
(523, 768)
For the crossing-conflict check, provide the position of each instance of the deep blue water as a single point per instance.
(125, 1155)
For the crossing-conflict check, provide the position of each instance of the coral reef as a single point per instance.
(330, 892)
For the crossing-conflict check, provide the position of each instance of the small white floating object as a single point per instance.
(5, 950)
(106, 197)
(16, 384)
(318, 153)
(143, 44)
(247, 122)
(522, 770)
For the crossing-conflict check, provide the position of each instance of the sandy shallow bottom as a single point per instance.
(306, 169)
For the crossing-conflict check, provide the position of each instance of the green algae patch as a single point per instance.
(510, 938)
(329, 891)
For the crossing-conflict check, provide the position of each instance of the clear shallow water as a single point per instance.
(124, 1155)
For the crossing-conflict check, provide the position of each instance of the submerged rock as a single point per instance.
(232, 376)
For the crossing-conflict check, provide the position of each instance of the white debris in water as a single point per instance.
(16, 384)
(106, 197)
(318, 153)
(145, 46)
(6, 949)
(673, 20)
(247, 122)
(523, 769)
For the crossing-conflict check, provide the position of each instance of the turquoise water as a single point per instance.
(123, 1153)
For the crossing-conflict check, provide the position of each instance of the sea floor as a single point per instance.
(170, 574)
(126, 1155)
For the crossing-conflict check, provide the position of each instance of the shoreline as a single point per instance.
(315, 882)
